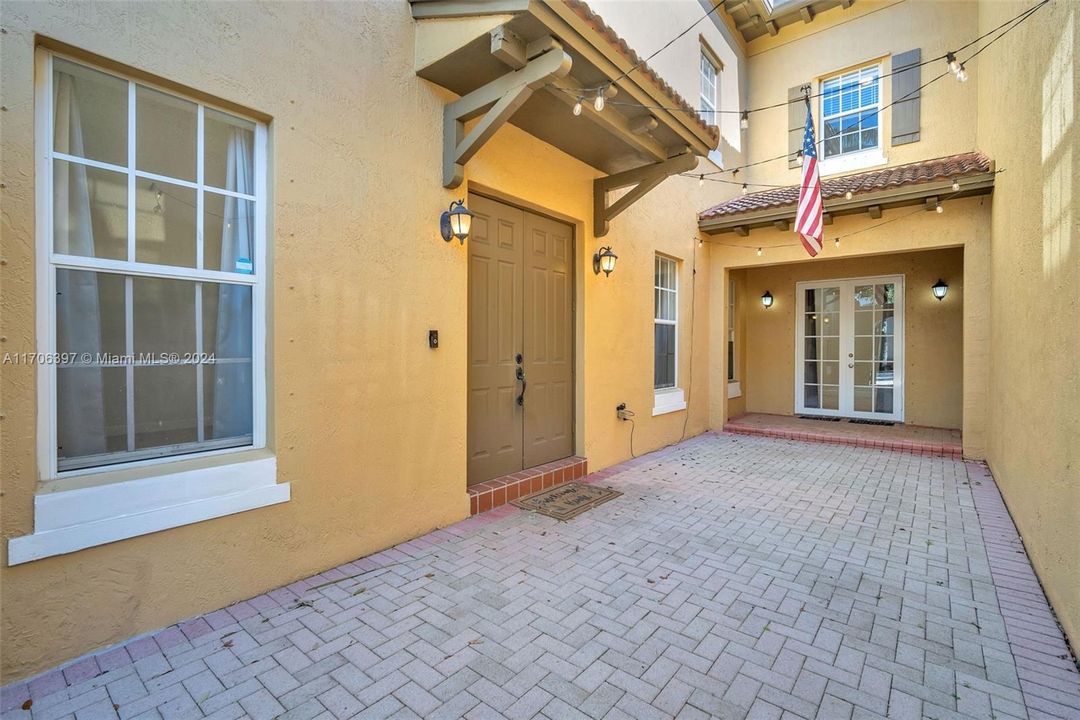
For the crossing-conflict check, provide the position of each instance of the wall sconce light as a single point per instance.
(939, 289)
(456, 222)
(604, 260)
(766, 299)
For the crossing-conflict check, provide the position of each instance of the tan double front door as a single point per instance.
(521, 335)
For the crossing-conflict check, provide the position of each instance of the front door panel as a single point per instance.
(849, 348)
(495, 337)
(521, 390)
(549, 338)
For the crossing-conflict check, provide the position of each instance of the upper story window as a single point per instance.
(709, 100)
(665, 323)
(152, 207)
(850, 109)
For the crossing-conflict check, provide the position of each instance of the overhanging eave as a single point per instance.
(631, 132)
(743, 223)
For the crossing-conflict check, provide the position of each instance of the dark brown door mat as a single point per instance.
(566, 501)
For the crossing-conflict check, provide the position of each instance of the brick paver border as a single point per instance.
(501, 490)
(948, 450)
(1044, 663)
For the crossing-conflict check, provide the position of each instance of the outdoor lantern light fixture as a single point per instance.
(456, 222)
(604, 260)
(766, 299)
(939, 289)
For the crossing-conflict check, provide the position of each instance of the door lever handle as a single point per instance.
(521, 377)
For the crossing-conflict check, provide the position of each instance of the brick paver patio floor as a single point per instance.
(735, 577)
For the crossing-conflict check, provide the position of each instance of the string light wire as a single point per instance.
(743, 114)
(1012, 25)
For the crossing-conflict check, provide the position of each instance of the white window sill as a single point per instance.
(852, 161)
(668, 400)
(74, 519)
(734, 389)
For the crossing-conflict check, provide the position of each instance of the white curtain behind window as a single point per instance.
(81, 409)
(232, 381)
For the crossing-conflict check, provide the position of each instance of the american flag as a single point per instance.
(808, 220)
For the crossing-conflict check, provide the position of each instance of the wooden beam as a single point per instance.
(772, 27)
(507, 47)
(807, 13)
(642, 125)
(846, 3)
(875, 211)
(497, 102)
(610, 120)
(781, 225)
(826, 218)
(931, 203)
(643, 179)
(750, 23)
(742, 231)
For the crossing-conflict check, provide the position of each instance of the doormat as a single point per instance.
(860, 421)
(566, 501)
(818, 417)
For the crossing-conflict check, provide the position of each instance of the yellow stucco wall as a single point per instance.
(874, 248)
(368, 423)
(1028, 122)
(840, 39)
(933, 348)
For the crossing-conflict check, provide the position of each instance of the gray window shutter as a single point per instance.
(905, 95)
(796, 123)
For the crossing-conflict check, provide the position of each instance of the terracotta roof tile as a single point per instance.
(597, 23)
(873, 181)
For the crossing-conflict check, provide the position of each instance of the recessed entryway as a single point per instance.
(521, 340)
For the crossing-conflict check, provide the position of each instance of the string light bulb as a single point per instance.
(952, 62)
(847, 195)
(798, 158)
(598, 104)
(744, 119)
(701, 180)
(577, 107)
(836, 242)
(939, 209)
(955, 185)
(745, 189)
(759, 253)
(961, 74)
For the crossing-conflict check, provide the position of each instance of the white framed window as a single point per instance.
(151, 235)
(155, 230)
(709, 94)
(667, 396)
(666, 324)
(850, 112)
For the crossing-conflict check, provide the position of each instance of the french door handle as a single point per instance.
(521, 377)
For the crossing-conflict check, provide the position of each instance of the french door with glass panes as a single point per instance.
(850, 348)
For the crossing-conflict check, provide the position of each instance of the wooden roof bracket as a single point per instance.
(497, 101)
(643, 179)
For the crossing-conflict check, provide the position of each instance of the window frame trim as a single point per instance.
(674, 323)
(707, 55)
(47, 262)
(865, 155)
